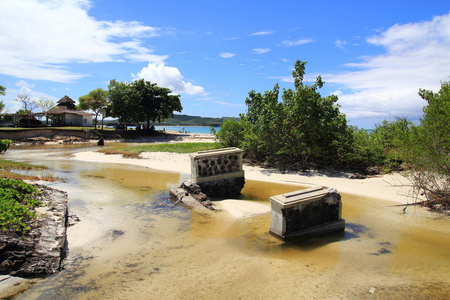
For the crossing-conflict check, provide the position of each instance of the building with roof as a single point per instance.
(66, 114)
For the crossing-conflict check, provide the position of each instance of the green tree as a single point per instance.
(3, 93)
(95, 100)
(155, 103)
(302, 130)
(141, 101)
(314, 124)
(45, 105)
(120, 103)
(427, 148)
(262, 125)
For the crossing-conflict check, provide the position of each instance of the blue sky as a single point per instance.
(375, 55)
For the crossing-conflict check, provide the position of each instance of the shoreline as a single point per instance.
(391, 187)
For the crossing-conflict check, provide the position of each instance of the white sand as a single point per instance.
(392, 187)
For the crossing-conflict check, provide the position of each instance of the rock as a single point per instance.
(191, 195)
(39, 252)
(357, 176)
(372, 171)
(36, 140)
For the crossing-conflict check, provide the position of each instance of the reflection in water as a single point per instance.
(139, 245)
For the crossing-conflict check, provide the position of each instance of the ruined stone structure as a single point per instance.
(306, 213)
(218, 172)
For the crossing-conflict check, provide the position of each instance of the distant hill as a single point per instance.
(185, 120)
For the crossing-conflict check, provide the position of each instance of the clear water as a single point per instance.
(139, 246)
(188, 129)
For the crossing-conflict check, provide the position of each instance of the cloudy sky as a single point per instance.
(375, 55)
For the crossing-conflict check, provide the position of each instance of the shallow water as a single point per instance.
(142, 247)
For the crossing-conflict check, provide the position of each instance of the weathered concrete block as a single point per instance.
(218, 172)
(306, 213)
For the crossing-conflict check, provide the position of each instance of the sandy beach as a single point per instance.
(391, 187)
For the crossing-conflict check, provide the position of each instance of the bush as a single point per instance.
(17, 200)
(4, 145)
(231, 133)
(303, 130)
(427, 148)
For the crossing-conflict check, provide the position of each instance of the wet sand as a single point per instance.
(392, 187)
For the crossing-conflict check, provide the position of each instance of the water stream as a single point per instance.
(132, 243)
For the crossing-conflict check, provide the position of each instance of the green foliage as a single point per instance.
(8, 165)
(2, 90)
(427, 148)
(96, 100)
(301, 131)
(387, 138)
(365, 151)
(231, 133)
(141, 101)
(17, 200)
(4, 145)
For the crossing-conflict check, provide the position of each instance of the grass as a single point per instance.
(134, 152)
(6, 167)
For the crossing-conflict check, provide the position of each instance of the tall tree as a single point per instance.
(45, 105)
(120, 103)
(314, 123)
(96, 101)
(3, 93)
(27, 103)
(141, 101)
(300, 130)
(155, 103)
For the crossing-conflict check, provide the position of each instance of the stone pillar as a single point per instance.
(306, 213)
(218, 172)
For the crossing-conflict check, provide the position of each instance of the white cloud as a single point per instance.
(23, 83)
(168, 77)
(228, 104)
(261, 50)
(26, 88)
(340, 44)
(52, 34)
(417, 56)
(296, 42)
(269, 32)
(227, 55)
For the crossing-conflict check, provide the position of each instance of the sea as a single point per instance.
(181, 129)
(188, 129)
